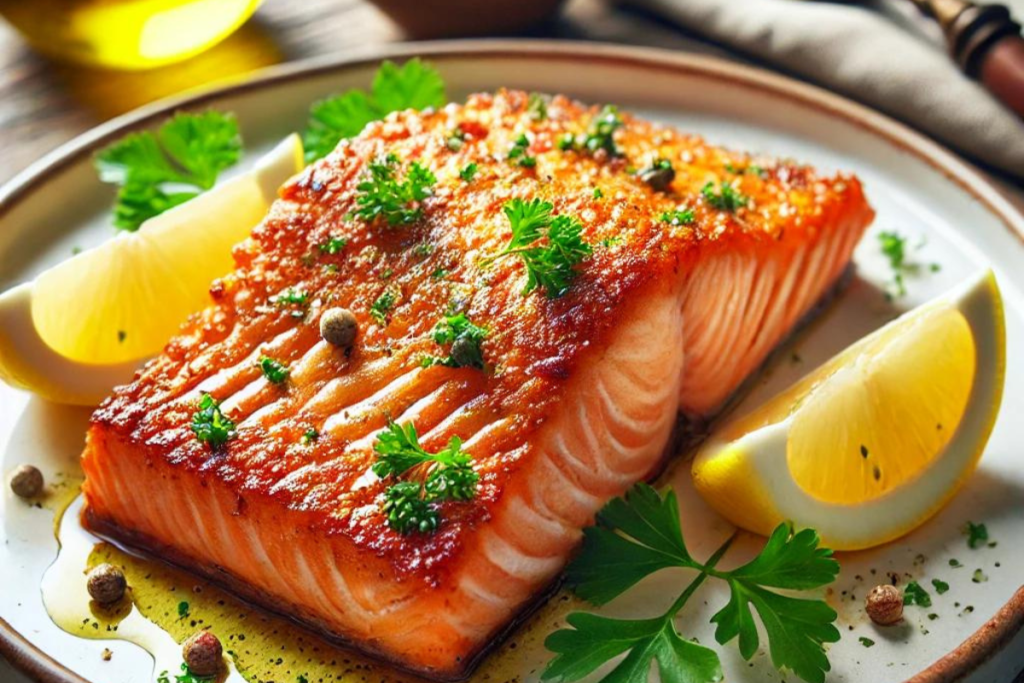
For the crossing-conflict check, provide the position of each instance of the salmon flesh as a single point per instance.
(576, 402)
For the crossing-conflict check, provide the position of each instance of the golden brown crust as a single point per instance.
(534, 344)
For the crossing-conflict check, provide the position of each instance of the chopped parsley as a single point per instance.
(275, 371)
(550, 246)
(599, 136)
(979, 576)
(640, 534)
(439, 274)
(537, 106)
(955, 563)
(455, 140)
(725, 198)
(311, 435)
(382, 195)
(182, 609)
(411, 505)
(677, 217)
(468, 172)
(186, 676)
(914, 594)
(518, 154)
(464, 339)
(866, 642)
(894, 248)
(381, 308)
(333, 245)
(414, 85)
(597, 193)
(940, 586)
(158, 171)
(977, 535)
(296, 299)
(210, 425)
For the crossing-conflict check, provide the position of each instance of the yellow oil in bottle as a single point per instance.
(125, 34)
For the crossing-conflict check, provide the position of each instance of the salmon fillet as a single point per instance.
(577, 401)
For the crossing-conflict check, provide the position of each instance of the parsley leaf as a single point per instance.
(381, 308)
(914, 594)
(409, 504)
(977, 535)
(678, 217)
(382, 195)
(468, 172)
(640, 534)
(158, 171)
(210, 425)
(464, 338)
(414, 85)
(333, 245)
(275, 371)
(726, 198)
(599, 136)
(636, 535)
(518, 153)
(551, 264)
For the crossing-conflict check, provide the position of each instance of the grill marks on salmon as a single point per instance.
(578, 402)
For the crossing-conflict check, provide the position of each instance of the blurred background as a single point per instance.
(67, 65)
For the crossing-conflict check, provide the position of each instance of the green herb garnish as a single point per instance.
(382, 195)
(600, 135)
(914, 594)
(639, 535)
(977, 535)
(518, 153)
(597, 193)
(726, 197)
(979, 576)
(550, 246)
(210, 425)
(866, 642)
(186, 676)
(296, 299)
(158, 171)
(309, 436)
(468, 172)
(275, 371)
(940, 586)
(414, 85)
(182, 609)
(333, 245)
(537, 107)
(464, 338)
(410, 505)
(381, 308)
(677, 217)
(455, 140)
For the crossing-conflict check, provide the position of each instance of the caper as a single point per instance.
(203, 654)
(27, 481)
(338, 326)
(106, 584)
(659, 175)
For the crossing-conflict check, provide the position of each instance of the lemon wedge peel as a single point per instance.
(32, 361)
(748, 480)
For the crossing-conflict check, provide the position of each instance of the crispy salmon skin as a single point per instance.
(578, 394)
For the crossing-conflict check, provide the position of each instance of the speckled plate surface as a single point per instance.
(917, 189)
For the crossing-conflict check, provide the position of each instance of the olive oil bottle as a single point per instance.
(125, 34)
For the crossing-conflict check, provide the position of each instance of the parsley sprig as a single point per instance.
(414, 85)
(275, 371)
(210, 425)
(550, 246)
(410, 505)
(639, 535)
(383, 195)
(894, 248)
(726, 197)
(463, 337)
(158, 171)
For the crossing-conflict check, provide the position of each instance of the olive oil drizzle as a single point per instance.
(164, 606)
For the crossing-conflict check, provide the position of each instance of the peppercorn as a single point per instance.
(466, 353)
(203, 654)
(338, 326)
(884, 605)
(106, 584)
(659, 175)
(27, 481)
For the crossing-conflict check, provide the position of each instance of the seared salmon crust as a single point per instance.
(576, 403)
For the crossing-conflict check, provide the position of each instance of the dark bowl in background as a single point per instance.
(422, 19)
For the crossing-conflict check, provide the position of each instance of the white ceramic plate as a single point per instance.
(916, 187)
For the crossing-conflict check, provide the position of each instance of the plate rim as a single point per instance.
(978, 648)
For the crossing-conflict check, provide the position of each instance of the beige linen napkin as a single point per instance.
(880, 53)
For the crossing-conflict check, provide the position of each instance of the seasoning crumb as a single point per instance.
(107, 654)
(27, 481)
(884, 605)
(203, 654)
(106, 584)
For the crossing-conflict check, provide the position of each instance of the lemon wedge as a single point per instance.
(82, 326)
(875, 441)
